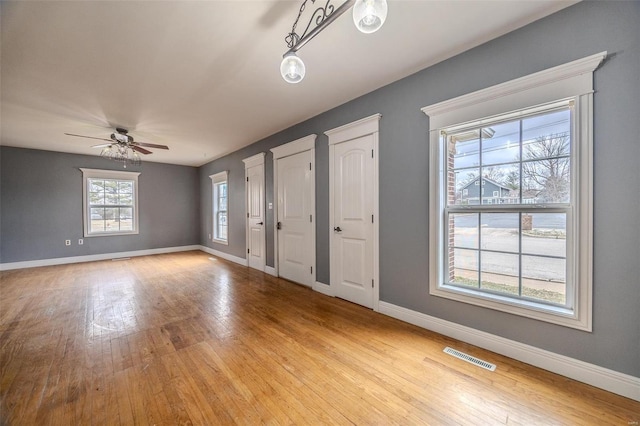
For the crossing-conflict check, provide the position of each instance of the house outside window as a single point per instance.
(220, 207)
(110, 202)
(527, 249)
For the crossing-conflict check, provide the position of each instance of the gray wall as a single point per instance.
(42, 206)
(581, 30)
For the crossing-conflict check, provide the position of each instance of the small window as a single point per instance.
(496, 193)
(220, 207)
(110, 202)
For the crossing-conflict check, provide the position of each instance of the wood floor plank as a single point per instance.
(185, 338)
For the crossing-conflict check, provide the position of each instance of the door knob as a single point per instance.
(279, 225)
(337, 229)
(260, 223)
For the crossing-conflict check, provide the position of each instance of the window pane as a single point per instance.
(463, 267)
(465, 179)
(111, 199)
(96, 185)
(111, 186)
(96, 221)
(501, 184)
(96, 198)
(463, 230)
(125, 199)
(499, 231)
(547, 180)
(544, 234)
(465, 149)
(126, 219)
(222, 188)
(125, 187)
(111, 219)
(222, 226)
(501, 143)
(500, 272)
(546, 135)
(222, 203)
(544, 278)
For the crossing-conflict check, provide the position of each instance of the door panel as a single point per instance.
(352, 238)
(255, 219)
(295, 238)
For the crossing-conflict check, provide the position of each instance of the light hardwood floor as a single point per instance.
(185, 338)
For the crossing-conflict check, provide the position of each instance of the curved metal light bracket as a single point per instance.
(321, 17)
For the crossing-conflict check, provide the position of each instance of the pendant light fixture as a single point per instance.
(368, 16)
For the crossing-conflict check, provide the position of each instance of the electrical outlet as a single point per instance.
(67, 242)
(80, 242)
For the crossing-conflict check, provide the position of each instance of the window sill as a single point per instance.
(110, 234)
(224, 242)
(525, 308)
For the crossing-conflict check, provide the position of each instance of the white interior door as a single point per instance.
(352, 256)
(255, 215)
(295, 225)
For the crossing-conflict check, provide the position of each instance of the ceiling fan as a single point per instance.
(122, 147)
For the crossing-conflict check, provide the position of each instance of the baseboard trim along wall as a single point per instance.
(92, 257)
(603, 378)
(270, 270)
(226, 256)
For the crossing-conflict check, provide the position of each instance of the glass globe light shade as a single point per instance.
(369, 15)
(292, 68)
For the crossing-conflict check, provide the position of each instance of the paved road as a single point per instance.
(510, 220)
(502, 239)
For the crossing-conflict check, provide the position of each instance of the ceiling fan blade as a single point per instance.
(150, 145)
(102, 145)
(89, 137)
(140, 150)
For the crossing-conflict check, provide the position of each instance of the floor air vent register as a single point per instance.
(470, 359)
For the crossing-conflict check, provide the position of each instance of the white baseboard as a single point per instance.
(271, 271)
(226, 256)
(92, 257)
(603, 378)
(323, 288)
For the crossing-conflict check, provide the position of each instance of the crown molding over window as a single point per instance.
(219, 177)
(564, 81)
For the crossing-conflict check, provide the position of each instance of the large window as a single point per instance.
(512, 243)
(110, 202)
(510, 196)
(220, 206)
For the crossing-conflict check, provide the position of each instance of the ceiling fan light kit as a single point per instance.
(122, 147)
(368, 17)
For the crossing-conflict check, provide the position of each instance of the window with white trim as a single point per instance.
(528, 253)
(110, 202)
(220, 207)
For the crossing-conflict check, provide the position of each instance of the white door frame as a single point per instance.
(307, 143)
(363, 127)
(249, 162)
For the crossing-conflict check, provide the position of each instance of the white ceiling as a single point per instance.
(203, 76)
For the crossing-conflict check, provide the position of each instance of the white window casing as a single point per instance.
(216, 180)
(108, 175)
(569, 84)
